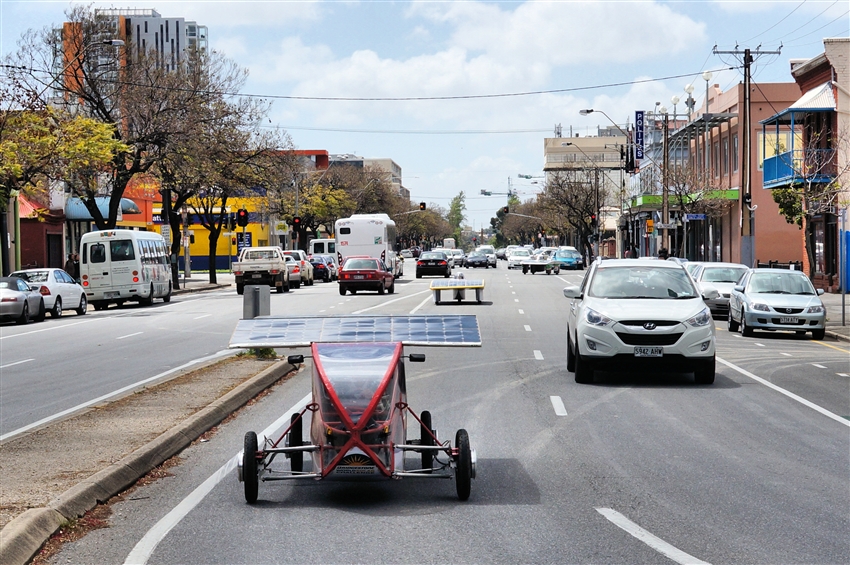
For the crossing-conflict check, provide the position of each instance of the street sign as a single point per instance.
(165, 232)
(661, 226)
(692, 217)
(650, 226)
(639, 134)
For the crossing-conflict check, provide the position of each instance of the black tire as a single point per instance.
(240, 288)
(99, 305)
(418, 276)
(167, 298)
(583, 369)
(381, 289)
(296, 439)
(731, 324)
(704, 373)
(819, 334)
(286, 286)
(56, 311)
(426, 439)
(279, 289)
(463, 465)
(571, 359)
(746, 331)
(249, 468)
(24, 318)
(352, 291)
(391, 290)
(487, 266)
(84, 305)
(341, 290)
(147, 301)
(42, 311)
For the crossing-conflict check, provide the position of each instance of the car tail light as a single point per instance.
(44, 291)
(297, 269)
(443, 263)
(274, 271)
(419, 263)
(237, 273)
(135, 273)
(9, 299)
(85, 282)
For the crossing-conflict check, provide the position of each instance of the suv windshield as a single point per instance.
(641, 282)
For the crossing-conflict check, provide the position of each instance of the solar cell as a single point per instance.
(455, 330)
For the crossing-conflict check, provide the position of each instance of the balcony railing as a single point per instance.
(798, 166)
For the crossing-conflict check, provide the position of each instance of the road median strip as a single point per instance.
(23, 536)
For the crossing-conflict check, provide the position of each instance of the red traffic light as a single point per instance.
(422, 206)
(296, 222)
(242, 217)
(505, 210)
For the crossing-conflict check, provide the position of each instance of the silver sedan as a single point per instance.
(19, 301)
(776, 299)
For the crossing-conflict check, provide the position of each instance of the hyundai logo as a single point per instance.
(649, 326)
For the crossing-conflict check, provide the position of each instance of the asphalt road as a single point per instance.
(636, 468)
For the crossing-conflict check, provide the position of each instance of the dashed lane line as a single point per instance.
(527, 328)
(129, 335)
(538, 355)
(649, 539)
(558, 405)
(28, 360)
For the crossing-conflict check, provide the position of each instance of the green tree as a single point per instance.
(456, 216)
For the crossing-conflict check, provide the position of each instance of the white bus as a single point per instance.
(124, 265)
(373, 235)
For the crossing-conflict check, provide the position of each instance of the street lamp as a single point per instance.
(707, 77)
(690, 102)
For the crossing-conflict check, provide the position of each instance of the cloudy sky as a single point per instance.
(442, 62)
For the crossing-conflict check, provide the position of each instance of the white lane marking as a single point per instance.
(382, 304)
(785, 354)
(527, 328)
(129, 335)
(842, 374)
(16, 363)
(516, 299)
(818, 366)
(558, 405)
(520, 311)
(787, 393)
(420, 305)
(204, 316)
(145, 547)
(513, 292)
(112, 394)
(538, 355)
(760, 344)
(649, 539)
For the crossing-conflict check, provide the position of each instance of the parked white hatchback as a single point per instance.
(639, 314)
(59, 289)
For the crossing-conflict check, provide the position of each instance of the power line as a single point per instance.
(777, 23)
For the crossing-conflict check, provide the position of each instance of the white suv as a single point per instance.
(639, 313)
(305, 267)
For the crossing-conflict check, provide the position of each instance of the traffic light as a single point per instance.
(593, 221)
(296, 223)
(422, 206)
(474, 240)
(231, 222)
(242, 217)
(505, 210)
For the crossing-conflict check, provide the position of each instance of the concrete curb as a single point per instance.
(203, 288)
(838, 336)
(24, 536)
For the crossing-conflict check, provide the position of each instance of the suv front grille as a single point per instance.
(649, 338)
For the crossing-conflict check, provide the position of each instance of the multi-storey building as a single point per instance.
(390, 167)
(806, 147)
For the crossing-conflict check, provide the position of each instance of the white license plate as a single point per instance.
(359, 277)
(789, 320)
(649, 351)
(257, 276)
(111, 294)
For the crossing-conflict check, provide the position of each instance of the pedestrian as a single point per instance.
(663, 253)
(69, 265)
(76, 268)
(635, 254)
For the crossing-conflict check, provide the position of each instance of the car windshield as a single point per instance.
(361, 264)
(780, 283)
(567, 254)
(32, 276)
(432, 256)
(723, 274)
(521, 252)
(641, 282)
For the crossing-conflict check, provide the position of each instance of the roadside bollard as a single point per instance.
(256, 301)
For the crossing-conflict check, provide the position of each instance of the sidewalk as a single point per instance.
(200, 281)
(834, 328)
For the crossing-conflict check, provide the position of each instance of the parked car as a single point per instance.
(517, 256)
(433, 263)
(322, 268)
(639, 313)
(59, 290)
(365, 273)
(476, 259)
(722, 277)
(776, 299)
(306, 269)
(20, 302)
(568, 259)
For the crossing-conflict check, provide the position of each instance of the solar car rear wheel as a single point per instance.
(249, 467)
(463, 466)
(296, 458)
(426, 439)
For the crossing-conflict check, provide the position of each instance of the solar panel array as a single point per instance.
(457, 283)
(457, 330)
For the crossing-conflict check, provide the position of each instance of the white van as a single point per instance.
(322, 247)
(124, 265)
(372, 235)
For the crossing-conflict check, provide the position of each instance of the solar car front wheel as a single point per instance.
(463, 465)
(249, 467)
(426, 439)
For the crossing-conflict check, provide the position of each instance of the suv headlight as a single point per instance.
(595, 318)
(815, 310)
(760, 307)
(701, 319)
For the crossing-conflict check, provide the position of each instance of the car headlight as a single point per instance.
(701, 319)
(761, 307)
(595, 318)
(815, 310)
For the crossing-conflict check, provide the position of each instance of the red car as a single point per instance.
(367, 273)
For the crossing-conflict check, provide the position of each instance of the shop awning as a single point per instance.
(76, 210)
(820, 99)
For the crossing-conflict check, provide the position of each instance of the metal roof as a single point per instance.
(75, 209)
(698, 126)
(820, 99)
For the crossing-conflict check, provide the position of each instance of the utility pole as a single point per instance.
(748, 217)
